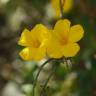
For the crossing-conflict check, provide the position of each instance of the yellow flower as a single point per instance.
(64, 38)
(34, 42)
(67, 6)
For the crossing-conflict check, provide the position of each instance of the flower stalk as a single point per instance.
(49, 77)
(61, 7)
(34, 84)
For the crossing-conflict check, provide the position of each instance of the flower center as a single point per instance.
(36, 44)
(63, 41)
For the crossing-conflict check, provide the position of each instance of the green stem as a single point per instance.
(34, 85)
(49, 77)
(68, 64)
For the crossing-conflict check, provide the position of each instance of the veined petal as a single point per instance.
(70, 50)
(76, 33)
(25, 39)
(62, 28)
(35, 54)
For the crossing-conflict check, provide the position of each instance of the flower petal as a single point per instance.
(70, 50)
(76, 33)
(25, 39)
(33, 53)
(62, 28)
(67, 6)
(54, 49)
(56, 8)
(40, 32)
(25, 54)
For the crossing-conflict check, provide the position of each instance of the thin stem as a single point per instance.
(34, 85)
(68, 64)
(49, 77)
(61, 7)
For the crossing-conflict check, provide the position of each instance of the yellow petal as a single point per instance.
(54, 49)
(39, 54)
(76, 33)
(25, 54)
(56, 8)
(35, 54)
(40, 32)
(25, 39)
(62, 28)
(70, 50)
(37, 36)
(67, 6)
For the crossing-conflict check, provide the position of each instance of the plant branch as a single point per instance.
(49, 77)
(34, 85)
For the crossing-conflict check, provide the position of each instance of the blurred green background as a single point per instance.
(17, 76)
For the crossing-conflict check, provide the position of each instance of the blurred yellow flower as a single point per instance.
(59, 42)
(64, 38)
(66, 5)
(34, 42)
